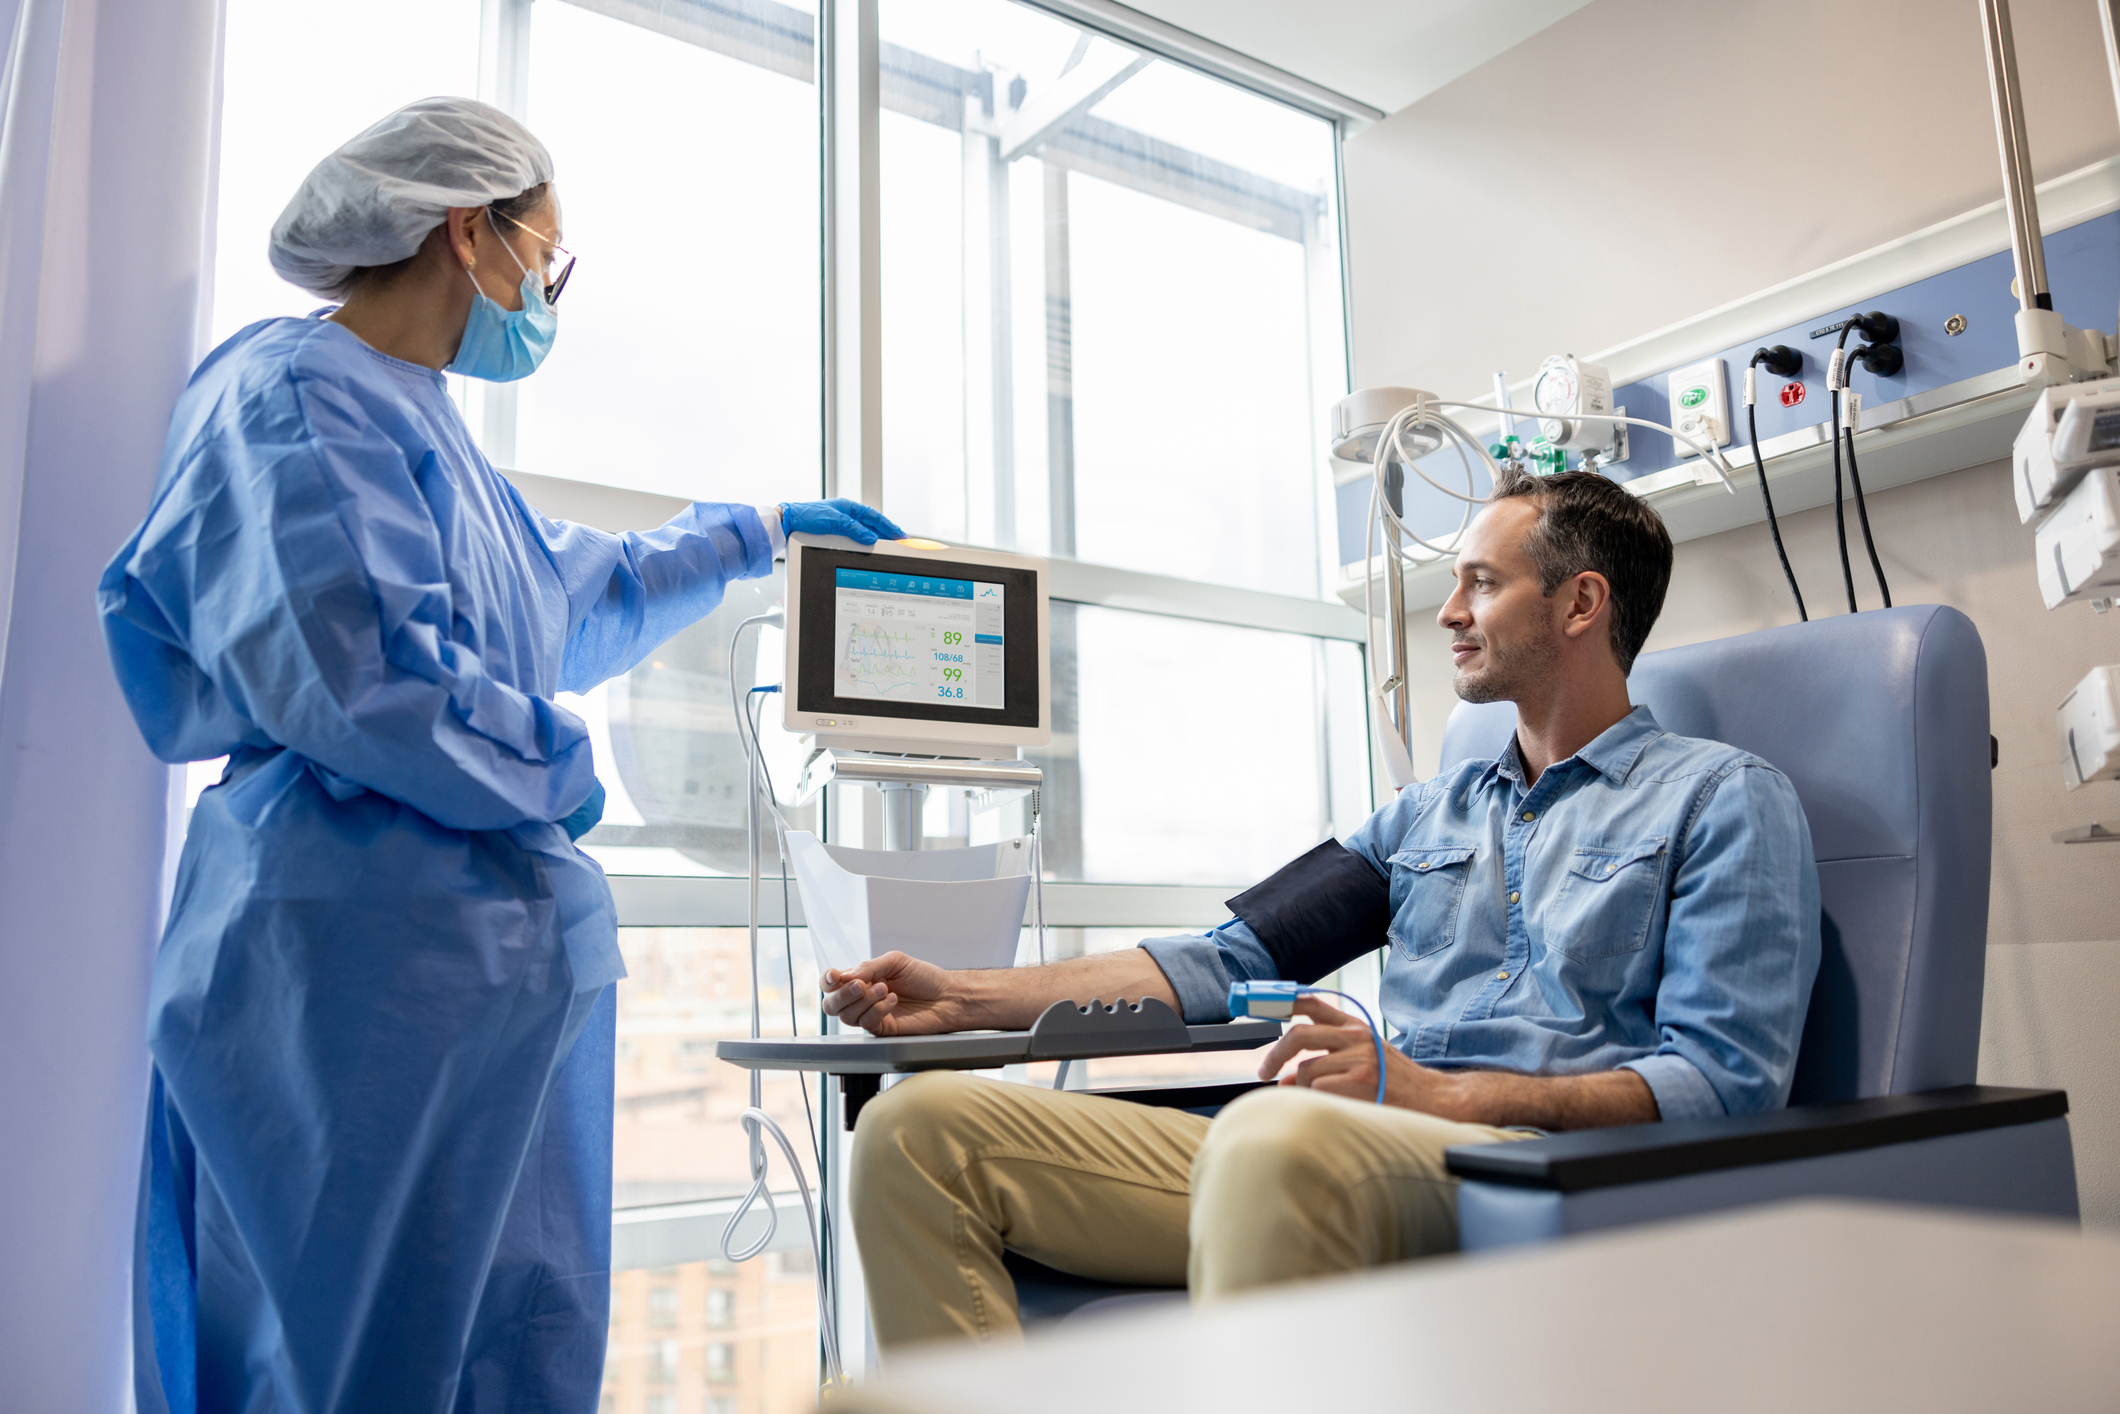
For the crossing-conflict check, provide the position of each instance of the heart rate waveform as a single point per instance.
(882, 660)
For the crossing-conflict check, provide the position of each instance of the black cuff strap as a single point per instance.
(1318, 911)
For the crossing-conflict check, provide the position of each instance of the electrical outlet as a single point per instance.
(1700, 405)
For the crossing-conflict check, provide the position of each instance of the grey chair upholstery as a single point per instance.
(1880, 720)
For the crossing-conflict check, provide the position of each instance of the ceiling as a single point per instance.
(1387, 53)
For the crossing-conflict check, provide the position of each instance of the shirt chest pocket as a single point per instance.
(1427, 892)
(1606, 899)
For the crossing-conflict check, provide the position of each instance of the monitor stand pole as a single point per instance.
(904, 813)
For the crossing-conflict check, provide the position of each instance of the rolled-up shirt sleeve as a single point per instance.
(1200, 968)
(1740, 952)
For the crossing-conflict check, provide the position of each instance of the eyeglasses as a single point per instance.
(553, 289)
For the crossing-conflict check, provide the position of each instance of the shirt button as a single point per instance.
(1422, 865)
(1530, 814)
(1501, 976)
(1512, 895)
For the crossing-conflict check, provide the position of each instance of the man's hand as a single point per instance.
(1345, 1063)
(894, 995)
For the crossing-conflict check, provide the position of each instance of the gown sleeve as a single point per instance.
(295, 564)
(627, 594)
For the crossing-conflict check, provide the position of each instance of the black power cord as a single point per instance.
(1881, 354)
(1783, 362)
(1840, 518)
(1884, 360)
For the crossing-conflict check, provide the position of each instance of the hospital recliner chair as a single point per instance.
(1881, 721)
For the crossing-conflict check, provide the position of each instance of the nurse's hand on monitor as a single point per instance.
(839, 516)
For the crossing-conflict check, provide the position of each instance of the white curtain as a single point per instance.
(107, 142)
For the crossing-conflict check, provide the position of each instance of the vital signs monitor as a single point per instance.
(931, 651)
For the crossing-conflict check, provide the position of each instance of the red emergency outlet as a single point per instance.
(1791, 394)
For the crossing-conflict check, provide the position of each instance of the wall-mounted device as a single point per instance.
(2076, 549)
(2072, 428)
(1569, 393)
(2089, 727)
(934, 652)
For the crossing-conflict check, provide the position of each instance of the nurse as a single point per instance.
(379, 1163)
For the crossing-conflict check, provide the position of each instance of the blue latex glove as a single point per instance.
(585, 814)
(840, 516)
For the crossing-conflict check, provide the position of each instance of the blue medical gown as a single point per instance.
(379, 1168)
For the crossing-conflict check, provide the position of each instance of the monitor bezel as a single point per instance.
(813, 708)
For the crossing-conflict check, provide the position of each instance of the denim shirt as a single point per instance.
(1651, 903)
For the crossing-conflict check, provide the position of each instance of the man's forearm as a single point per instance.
(1551, 1101)
(1011, 998)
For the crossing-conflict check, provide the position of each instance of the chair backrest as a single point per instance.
(1881, 721)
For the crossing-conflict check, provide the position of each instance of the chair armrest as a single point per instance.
(1604, 1158)
(1184, 1097)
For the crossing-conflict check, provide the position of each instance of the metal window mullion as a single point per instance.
(847, 91)
(503, 81)
(1182, 46)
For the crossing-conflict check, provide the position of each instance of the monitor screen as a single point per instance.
(893, 636)
(918, 638)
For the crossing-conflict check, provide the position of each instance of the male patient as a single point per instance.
(1608, 924)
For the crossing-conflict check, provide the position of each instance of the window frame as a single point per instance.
(852, 89)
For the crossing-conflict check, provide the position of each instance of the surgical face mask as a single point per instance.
(500, 345)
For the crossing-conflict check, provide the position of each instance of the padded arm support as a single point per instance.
(1604, 1158)
(1318, 911)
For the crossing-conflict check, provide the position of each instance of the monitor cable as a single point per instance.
(1783, 362)
(757, 1124)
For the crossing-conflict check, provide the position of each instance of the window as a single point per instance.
(687, 362)
(721, 1308)
(1111, 301)
(721, 1362)
(674, 1133)
(662, 1305)
(1196, 753)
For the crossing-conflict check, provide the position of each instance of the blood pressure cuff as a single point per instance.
(1317, 912)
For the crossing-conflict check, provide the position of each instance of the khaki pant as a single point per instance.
(1285, 1183)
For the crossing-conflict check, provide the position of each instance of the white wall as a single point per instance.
(1445, 290)
(1641, 161)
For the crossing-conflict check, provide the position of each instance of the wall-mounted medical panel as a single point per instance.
(1956, 401)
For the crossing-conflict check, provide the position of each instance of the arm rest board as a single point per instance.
(1604, 1158)
(857, 1053)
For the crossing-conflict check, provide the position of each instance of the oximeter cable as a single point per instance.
(1277, 1001)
